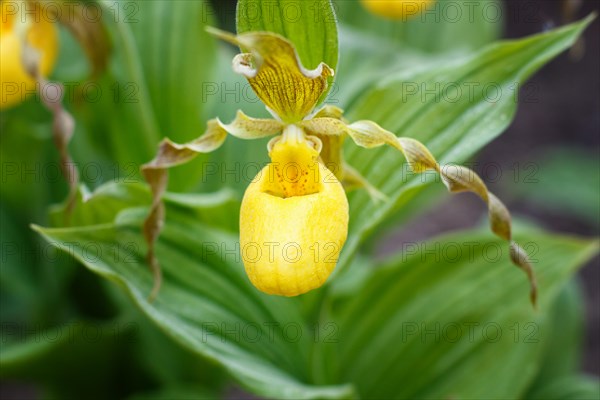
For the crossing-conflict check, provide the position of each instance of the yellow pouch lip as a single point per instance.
(309, 222)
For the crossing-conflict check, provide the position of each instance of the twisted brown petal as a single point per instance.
(456, 178)
(63, 124)
(171, 154)
(329, 126)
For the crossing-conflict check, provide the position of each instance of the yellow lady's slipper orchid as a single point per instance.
(294, 215)
(40, 33)
(396, 9)
(293, 220)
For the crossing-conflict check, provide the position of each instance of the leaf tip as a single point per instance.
(36, 228)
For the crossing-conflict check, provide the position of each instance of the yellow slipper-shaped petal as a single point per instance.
(290, 241)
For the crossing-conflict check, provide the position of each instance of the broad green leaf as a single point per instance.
(574, 387)
(427, 321)
(178, 57)
(113, 197)
(310, 25)
(172, 364)
(366, 58)
(168, 363)
(454, 109)
(154, 87)
(562, 352)
(219, 209)
(446, 26)
(132, 132)
(578, 172)
(206, 303)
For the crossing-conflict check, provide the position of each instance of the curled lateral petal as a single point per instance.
(277, 76)
(171, 154)
(328, 126)
(244, 127)
(27, 66)
(368, 134)
(457, 179)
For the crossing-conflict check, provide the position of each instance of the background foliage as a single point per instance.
(367, 333)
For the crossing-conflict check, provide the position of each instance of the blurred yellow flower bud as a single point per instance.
(293, 219)
(396, 9)
(41, 34)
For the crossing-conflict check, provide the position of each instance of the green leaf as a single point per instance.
(154, 87)
(453, 109)
(562, 352)
(206, 303)
(310, 25)
(132, 132)
(219, 209)
(172, 364)
(578, 172)
(425, 321)
(460, 25)
(365, 59)
(106, 202)
(575, 387)
(178, 57)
